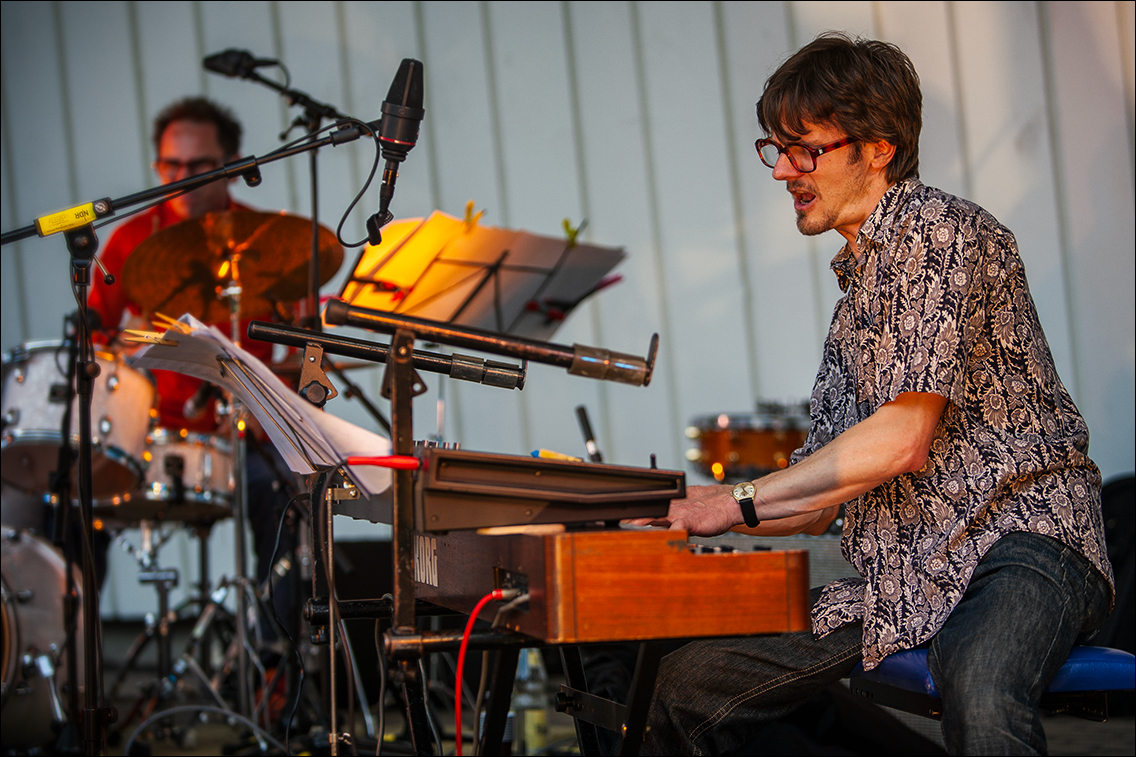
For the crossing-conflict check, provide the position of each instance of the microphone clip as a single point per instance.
(374, 225)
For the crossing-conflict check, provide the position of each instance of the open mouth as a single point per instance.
(802, 200)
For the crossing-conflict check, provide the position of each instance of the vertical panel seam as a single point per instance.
(65, 97)
(199, 42)
(499, 163)
(494, 113)
(816, 274)
(656, 227)
(348, 100)
(1064, 244)
(450, 414)
(22, 285)
(276, 25)
(139, 86)
(733, 158)
(594, 307)
(1124, 32)
(431, 137)
(955, 52)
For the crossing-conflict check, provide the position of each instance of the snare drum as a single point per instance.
(32, 574)
(188, 477)
(34, 400)
(747, 445)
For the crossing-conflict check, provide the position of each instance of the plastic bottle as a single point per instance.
(530, 702)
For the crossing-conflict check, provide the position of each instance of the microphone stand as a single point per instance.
(399, 385)
(77, 226)
(310, 119)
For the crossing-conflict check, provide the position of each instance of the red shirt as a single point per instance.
(111, 301)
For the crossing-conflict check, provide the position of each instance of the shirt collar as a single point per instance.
(873, 232)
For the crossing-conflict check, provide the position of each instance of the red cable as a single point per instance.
(495, 594)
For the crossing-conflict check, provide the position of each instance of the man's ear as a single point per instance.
(880, 153)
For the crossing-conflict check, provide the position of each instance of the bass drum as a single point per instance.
(34, 400)
(745, 446)
(34, 662)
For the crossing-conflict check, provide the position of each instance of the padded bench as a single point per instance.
(1083, 686)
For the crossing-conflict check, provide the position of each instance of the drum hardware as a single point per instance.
(35, 644)
(401, 378)
(163, 581)
(77, 227)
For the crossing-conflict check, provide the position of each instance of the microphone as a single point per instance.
(236, 63)
(196, 405)
(398, 133)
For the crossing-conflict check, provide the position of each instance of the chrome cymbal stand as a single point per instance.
(240, 493)
(163, 580)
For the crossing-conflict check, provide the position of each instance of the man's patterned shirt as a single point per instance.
(938, 302)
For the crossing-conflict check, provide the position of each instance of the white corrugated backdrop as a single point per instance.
(639, 118)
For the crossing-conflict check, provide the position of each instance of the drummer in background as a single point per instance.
(193, 136)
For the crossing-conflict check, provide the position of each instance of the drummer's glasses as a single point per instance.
(801, 157)
(169, 168)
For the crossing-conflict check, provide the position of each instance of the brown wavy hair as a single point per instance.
(866, 88)
(203, 111)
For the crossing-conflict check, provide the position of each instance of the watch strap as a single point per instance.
(748, 512)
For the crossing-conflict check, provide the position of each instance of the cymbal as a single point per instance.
(181, 268)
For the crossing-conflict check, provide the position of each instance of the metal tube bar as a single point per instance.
(456, 366)
(339, 313)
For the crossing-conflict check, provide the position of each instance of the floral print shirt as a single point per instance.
(938, 302)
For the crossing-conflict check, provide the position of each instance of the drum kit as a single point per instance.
(743, 446)
(146, 475)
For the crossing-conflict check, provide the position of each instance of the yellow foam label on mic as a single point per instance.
(64, 220)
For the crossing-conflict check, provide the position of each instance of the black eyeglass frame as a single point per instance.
(814, 152)
(169, 168)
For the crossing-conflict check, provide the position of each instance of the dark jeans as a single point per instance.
(1029, 600)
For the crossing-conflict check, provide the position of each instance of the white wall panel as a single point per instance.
(787, 329)
(700, 265)
(1097, 210)
(1009, 138)
(808, 20)
(919, 28)
(541, 189)
(251, 26)
(171, 56)
(462, 118)
(639, 117)
(40, 166)
(640, 421)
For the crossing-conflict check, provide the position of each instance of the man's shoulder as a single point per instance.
(925, 205)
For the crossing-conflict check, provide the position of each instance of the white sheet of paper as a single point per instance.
(306, 437)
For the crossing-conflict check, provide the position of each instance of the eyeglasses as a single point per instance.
(801, 157)
(169, 169)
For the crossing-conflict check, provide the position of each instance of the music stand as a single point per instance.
(459, 271)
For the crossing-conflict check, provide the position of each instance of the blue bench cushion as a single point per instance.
(1086, 669)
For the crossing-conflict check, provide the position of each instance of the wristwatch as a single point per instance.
(743, 493)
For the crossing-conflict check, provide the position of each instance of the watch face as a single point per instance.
(745, 490)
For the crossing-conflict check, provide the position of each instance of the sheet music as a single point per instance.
(307, 438)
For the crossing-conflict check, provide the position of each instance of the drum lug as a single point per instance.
(23, 596)
(112, 382)
(11, 417)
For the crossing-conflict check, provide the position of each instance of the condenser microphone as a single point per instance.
(236, 63)
(398, 133)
